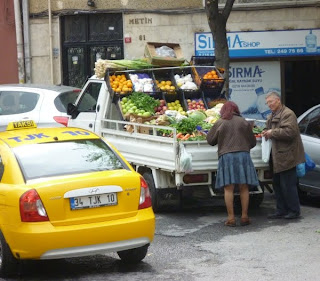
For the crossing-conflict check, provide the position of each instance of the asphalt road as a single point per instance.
(194, 245)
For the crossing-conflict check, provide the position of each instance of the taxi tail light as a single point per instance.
(31, 207)
(145, 197)
(63, 120)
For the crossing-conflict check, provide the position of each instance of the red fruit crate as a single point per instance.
(194, 100)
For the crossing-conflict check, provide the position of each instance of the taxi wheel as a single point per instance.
(154, 193)
(133, 255)
(8, 263)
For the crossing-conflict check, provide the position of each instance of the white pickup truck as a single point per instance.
(155, 157)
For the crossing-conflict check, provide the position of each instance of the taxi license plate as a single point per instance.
(93, 201)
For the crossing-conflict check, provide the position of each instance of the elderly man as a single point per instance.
(286, 153)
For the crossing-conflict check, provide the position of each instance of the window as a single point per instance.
(15, 102)
(89, 99)
(79, 156)
(61, 102)
(310, 124)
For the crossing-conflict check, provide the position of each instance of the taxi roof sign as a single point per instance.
(28, 124)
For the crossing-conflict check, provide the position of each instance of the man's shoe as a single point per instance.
(291, 216)
(276, 216)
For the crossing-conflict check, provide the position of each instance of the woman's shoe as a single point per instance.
(245, 221)
(231, 222)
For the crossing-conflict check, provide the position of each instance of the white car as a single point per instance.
(44, 104)
(309, 125)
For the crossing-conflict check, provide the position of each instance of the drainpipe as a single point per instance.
(26, 38)
(20, 56)
(50, 41)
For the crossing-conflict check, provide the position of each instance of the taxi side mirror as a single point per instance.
(72, 110)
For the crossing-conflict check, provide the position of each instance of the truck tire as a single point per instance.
(154, 193)
(8, 263)
(133, 255)
(256, 200)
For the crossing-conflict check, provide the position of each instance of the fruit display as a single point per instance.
(139, 104)
(142, 82)
(195, 104)
(120, 84)
(211, 75)
(185, 82)
(176, 105)
(166, 86)
(161, 108)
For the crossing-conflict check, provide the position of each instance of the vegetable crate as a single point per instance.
(194, 100)
(202, 60)
(138, 77)
(163, 80)
(173, 98)
(212, 97)
(185, 74)
(119, 82)
(208, 78)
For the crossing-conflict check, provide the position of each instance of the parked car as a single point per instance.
(309, 124)
(65, 192)
(44, 104)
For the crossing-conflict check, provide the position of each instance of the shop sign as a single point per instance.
(249, 84)
(281, 43)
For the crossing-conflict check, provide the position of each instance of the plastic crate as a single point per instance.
(122, 90)
(182, 72)
(195, 97)
(164, 75)
(202, 60)
(212, 95)
(200, 71)
(142, 74)
(169, 98)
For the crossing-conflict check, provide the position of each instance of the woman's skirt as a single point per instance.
(236, 168)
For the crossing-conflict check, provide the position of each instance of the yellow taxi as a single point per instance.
(66, 192)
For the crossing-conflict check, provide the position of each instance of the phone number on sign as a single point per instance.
(285, 51)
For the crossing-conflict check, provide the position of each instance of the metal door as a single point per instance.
(87, 38)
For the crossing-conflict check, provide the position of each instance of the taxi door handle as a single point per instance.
(90, 125)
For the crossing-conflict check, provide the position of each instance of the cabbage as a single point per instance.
(198, 115)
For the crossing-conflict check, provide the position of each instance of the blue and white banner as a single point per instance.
(279, 43)
(249, 84)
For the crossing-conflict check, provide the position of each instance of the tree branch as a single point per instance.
(227, 9)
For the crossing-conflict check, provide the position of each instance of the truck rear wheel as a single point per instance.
(256, 200)
(154, 193)
(164, 198)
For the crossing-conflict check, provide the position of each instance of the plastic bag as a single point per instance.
(301, 170)
(185, 160)
(266, 149)
(165, 51)
(305, 167)
(310, 165)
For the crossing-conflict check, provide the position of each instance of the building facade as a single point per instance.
(67, 37)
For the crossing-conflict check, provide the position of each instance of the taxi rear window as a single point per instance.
(69, 157)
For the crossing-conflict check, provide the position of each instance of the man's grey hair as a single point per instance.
(273, 94)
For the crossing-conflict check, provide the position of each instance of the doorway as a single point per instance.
(85, 39)
(302, 89)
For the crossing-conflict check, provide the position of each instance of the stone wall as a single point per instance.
(156, 27)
